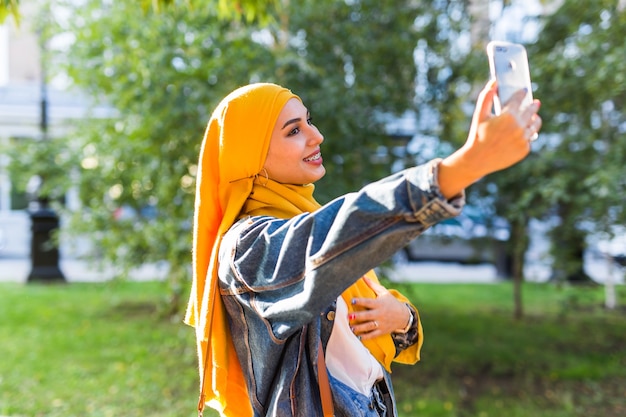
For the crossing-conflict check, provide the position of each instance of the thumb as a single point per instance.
(376, 287)
(485, 102)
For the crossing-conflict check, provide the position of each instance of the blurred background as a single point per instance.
(103, 106)
(102, 116)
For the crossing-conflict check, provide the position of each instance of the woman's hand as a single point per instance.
(493, 143)
(378, 316)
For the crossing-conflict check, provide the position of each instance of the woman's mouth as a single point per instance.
(316, 156)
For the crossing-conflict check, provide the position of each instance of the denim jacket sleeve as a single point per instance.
(288, 271)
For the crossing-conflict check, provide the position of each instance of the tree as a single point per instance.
(574, 170)
(353, 63)
(162, 73)
(9, 8)
(246, 9)
(574, 173)
(580, 74)
(455, 69)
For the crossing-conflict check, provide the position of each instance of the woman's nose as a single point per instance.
(316, 136)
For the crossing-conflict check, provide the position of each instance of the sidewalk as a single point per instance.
(15, 263)
(75, 270)
(17, 269)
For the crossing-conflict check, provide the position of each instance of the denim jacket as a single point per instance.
(279, 280)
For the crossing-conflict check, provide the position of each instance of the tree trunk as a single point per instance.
(568, 249)
(479, 37)
(177, 279)
(519, 246)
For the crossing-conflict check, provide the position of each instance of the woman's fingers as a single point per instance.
(534, 125)
(374, 317)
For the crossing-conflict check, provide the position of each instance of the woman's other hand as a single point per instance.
(378, 316)
(493, 143)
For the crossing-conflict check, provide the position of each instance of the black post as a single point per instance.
(44, 251)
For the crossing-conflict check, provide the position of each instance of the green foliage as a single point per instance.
(51, 159)
(248, 10)
(228, 10)
(575, 171)
(9, 8)
(352, 63)
(580, 78)
(161, 74)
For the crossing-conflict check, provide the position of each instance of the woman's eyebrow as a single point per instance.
(288, 122)
(295, 120)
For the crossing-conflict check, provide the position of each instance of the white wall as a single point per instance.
(4, 55)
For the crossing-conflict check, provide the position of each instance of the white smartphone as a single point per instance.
(508, 64)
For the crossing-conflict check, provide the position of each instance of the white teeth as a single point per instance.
(314, 157)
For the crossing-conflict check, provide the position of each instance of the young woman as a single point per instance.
(290, 319)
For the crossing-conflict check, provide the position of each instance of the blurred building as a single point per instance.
(32, 106)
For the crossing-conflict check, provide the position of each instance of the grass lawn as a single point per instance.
(105, 350)
(567, 357)
(93, 350)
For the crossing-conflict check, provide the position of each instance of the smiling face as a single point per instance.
(294, 155)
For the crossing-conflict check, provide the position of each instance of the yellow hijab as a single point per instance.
(233, 152)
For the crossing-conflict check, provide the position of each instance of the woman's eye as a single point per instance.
(310, 121)
(294, 131)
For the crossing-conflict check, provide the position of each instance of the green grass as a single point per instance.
(93, 350)
(105, 350)
(567, 357)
